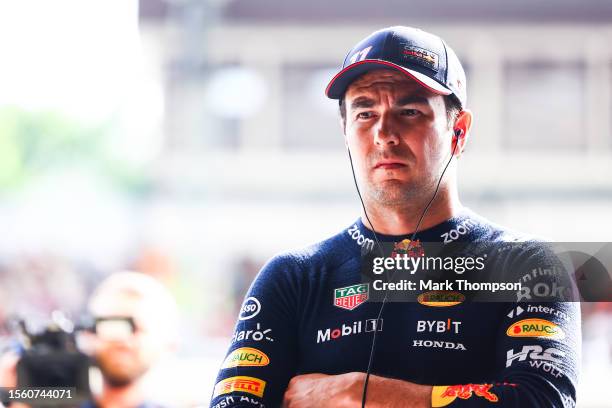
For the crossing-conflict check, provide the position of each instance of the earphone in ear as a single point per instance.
(458, 133)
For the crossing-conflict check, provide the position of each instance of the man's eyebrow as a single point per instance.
(365, 102)
(412, 99)
(362, 102)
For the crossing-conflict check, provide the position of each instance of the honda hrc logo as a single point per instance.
(534, 353)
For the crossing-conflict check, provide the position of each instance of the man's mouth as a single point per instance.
(389, 165)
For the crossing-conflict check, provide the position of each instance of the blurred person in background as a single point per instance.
(135, 327)
(304, 336)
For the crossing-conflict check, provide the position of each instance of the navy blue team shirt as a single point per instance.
(307, 311)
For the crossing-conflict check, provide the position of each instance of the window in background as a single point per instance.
(544, 106)
(232, 94)
(310, 119)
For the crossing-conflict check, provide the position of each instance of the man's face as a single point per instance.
(123, 356)
(398, 136)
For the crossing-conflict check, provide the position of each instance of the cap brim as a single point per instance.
(337, 86)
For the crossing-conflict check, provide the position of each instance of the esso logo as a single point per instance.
(250, 308)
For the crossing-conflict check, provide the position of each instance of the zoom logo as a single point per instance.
(455, 233)
(358, 237)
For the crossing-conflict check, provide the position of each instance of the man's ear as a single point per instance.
(462, 127)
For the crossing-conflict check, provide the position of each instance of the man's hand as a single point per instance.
(321, 390)
(345, 390)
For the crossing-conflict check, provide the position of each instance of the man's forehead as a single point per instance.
(371, 82)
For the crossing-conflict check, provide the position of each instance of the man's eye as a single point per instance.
(410, 112)
(364, 115)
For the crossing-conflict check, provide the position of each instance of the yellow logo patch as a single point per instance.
(249, 385)
(535, 328)
(246, 357)
(440, 298)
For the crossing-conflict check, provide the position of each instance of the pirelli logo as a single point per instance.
(249, 385)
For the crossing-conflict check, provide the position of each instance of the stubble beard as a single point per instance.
(120, 378)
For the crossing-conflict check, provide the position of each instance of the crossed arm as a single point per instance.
(345, 390)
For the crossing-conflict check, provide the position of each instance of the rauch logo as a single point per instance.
(246, 357)
(535, 328)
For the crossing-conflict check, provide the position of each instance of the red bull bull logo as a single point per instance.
(442, 396)
(409, 248)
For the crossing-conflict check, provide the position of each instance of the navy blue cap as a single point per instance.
(423, 56)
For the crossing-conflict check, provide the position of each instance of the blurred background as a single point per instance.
(191, 140)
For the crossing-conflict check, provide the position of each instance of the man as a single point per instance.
(135, 326)
(305, 332)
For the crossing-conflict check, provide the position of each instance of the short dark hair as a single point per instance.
(451, 102)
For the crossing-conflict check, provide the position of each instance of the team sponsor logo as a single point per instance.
(230, 400)
(440, 298)
(359, 238)
(250, 308)
(420, 55)
(535, 353)
(408, 248)
(568, 401)
(249, 385)
(548, 310)
(441, 395)
(356, 327)
(461, 229)
(351, 296)
(516, 312)
(554, 271)
(246, 357)
(255, 335)
(448, 345)
(438, 326)
(535, 328)
(545, 360)
(542, 290)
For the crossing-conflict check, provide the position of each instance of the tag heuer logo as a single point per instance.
(351, 296)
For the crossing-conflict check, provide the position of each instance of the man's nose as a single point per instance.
(386, 132)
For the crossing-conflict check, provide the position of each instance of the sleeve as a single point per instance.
(538, 348)
(262, 354)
